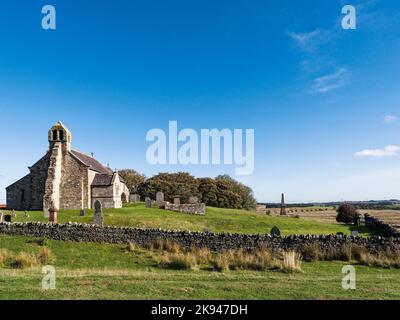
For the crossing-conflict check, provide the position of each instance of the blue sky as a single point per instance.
(323, 101)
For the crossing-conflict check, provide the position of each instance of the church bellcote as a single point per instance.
(60, 133)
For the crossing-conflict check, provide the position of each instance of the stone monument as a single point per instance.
(275, 232)
(149, 202)
(283, 205)
(177, 200)
(98, 214)
(160, 199)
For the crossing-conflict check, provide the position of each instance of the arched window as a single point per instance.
(61, 135)
(54, 135)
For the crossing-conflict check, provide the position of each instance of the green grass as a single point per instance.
(215, 220)
(101, 271)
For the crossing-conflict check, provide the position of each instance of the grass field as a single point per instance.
(215, 220)
(101, 271)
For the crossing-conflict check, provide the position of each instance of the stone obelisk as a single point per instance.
(283, 206)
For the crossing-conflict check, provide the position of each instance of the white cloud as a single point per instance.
(388, 151)
(331, 81)
(307, 41)
(389, 119)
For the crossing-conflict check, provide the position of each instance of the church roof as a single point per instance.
(102, 180)
(92, 163)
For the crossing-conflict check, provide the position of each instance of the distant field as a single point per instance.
(329, 216)
(101, 271)
(215, 220)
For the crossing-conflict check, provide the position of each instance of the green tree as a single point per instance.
(245, 193)
(171, 184)
(132, 179)
(346, 213)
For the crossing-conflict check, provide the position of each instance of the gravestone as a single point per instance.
(340, 234)
(26, 214)
(354, 233)
(14, 214)
(133, 198)
(7, 218)
(275, 232)
(53, 216)
(82, 213)
(149, 203)
(193, 200)
(98, 214)
(160, 198)
(1, 216)
(177, 200)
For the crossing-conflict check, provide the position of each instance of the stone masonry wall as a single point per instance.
(191, 208)
(19, 194)
(38, 175)
(32, 185)
(215, 242)
(74, 185)
(381, 226)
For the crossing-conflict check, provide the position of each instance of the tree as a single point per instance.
(346, 213)
(132, 179)
(171, 184)
(247, 200)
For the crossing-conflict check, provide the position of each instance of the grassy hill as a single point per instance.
(215, 220)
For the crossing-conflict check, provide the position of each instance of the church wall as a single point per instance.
(74, 184)
(38, 176)
(19, 194)
(105, 195)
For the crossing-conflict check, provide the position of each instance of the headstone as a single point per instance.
(177, 200)
(14, 214)
(53, 216)
(275, 232)
(1, 216)
(133, 198)
(354, 233)
(7, 218)
(193, 200)
(160, 198)
(340, 234)
(149, 203)
(82, 213)
(98, 214)
(26, 214)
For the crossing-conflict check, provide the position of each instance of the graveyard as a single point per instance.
(90, 270)
(215, 220)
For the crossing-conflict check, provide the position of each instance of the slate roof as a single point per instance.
(102, 180)
(92, 163)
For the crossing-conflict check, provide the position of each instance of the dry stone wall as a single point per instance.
(214, 241)
(190, 208)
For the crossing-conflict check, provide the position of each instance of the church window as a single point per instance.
(61, 135)
(22, 195)
(54, 135)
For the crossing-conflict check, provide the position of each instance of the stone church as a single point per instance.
(66, 179)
